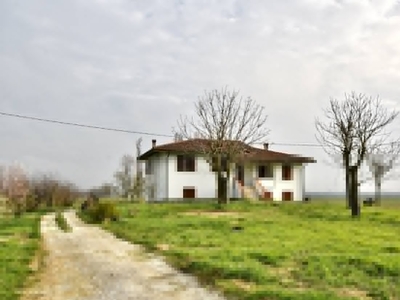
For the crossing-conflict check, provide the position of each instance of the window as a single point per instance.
(265, 171)
(224, 164)
(189, 192)
(268, 196)
(186, 163)
(286, 172)
(148, 167)
(287, 196)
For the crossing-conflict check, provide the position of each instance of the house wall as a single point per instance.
(276, 185)
(169, 183)
(203, 180)
(249, 174)
(158, 179)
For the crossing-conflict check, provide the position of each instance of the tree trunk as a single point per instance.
(221, 182)
(355, 208)
(221, 190)
(378, 191)
(228, 185)
(347, 172)
(347, 188)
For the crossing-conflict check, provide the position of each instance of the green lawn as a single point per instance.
(275, 251)
(19, 240)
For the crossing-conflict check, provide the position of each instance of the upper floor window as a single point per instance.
(148, 167)
(186, 163)
(265, 171)
(224, 164)
(287, 172)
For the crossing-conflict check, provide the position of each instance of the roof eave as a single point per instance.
(147, 154)
(283, 160)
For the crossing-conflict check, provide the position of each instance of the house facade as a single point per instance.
(179, 170)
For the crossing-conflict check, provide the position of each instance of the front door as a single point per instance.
(240, 174)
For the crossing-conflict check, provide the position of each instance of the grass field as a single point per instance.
(19, 240)
(275, 251)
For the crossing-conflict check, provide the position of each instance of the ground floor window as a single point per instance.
(189, 192)
(287, 196)
(268, 195)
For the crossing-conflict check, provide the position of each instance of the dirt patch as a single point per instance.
(214, 214)
(353, 292)
(163, 247)
(284, 274)
(244, 285)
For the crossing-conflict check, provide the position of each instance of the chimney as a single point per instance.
(266, 146)
(153, 143)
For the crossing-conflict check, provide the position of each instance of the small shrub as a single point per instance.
(102, 211)
(62, 223)
(16, 205)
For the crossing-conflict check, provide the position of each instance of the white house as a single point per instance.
(180, 170)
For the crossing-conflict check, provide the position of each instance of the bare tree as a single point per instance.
(227, 122)
(125, 175)
(49, 191)
(380, 162)
(178, 137)
(138, 185)
(17, 188)
(353, 128)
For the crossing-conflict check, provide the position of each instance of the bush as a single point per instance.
(32, 202)
(16, 205)
(101, 212)
(62, 222)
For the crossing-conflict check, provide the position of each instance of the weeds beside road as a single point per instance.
(19, 241)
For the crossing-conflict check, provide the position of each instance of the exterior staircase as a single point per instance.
(248, 192)
(256, 192)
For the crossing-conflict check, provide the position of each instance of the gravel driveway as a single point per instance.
(90, 263)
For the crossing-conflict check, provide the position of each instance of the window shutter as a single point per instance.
(180, 161)
(190, 163)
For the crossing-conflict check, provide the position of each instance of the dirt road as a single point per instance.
(90, 263)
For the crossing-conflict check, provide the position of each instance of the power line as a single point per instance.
(125, 130)
(81, 125)
(132, 131)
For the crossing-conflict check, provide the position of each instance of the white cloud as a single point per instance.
(140, 64)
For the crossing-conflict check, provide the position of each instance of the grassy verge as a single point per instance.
(274, 251)
(62, 222)
(19, 241)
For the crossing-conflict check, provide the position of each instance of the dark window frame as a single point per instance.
(268, 195)
(148, 167)
(189, 192)
(287, 172)
(287, 196)
(265, 171)
(186, 163)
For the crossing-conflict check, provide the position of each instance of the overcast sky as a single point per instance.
(139, 65)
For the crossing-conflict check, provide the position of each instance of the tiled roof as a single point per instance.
(249, 153)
